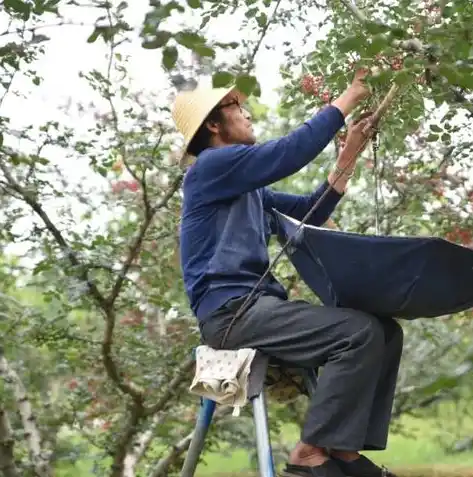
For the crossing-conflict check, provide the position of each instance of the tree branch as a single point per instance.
(61, 241)
(40, 459)
(7, 460)
(105, 307)
(177, 449)
(264, 31)
(33, 29)
(162, 467)
(171, 389)
(413, 44)
(136, 245)
(140, 446)
(149, 211)
(122, 446)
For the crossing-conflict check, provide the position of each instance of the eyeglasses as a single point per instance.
(233, 102)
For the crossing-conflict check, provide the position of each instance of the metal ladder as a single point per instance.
(260, 418)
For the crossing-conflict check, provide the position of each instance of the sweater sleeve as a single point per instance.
(226, 172)
(297, 206)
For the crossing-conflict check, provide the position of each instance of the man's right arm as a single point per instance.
(230, 171)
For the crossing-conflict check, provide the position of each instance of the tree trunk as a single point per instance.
(7, 460)
(39, 460)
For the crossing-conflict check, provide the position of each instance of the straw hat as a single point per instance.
(192, 107)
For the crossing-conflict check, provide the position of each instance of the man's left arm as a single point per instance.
(297, 206)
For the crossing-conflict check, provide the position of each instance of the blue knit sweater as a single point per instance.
(226, 213)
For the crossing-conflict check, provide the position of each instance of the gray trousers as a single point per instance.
(359, 353)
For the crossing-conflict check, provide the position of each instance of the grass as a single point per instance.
(418, 455)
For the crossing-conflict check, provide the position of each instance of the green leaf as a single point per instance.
(350, 43)
(204, 51)
(375, 28)
(432, 137)
(446, 138)
(251, 13)
(398, 33)
(402, 77)
(378, 43)
(189, 39)
(222, 79)
(1, 139)
(160, 40)
(93, 37)
(450, 73)
(194, 3)
(170, 55)
(204, 22)
(246, 84)
(435, 128)
(262, 19)
(20, 7)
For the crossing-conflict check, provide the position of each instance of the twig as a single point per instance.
(382, 108)
(264, 31)
(40, 459)
(32, 29)
(7, 460)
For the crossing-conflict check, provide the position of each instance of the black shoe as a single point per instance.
(327, 469)
(362, 467)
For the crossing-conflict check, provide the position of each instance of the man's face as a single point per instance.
(235, 127)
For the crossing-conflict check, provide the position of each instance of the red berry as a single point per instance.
(311, 84)
(118, 187)
(133, 186)
(325, 96)
(307, 84)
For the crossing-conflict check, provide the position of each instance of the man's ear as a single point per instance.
(213, 127)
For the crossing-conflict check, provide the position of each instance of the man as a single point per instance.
(225, 228)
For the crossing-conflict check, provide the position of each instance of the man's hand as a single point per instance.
(359, 133)
(354, 94)
(359, 85)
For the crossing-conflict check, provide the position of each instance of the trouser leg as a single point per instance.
(347, 343)
(378, 427)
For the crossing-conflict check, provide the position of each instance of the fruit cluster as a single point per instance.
(462, 236)
(120, 186)
(314, 85)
